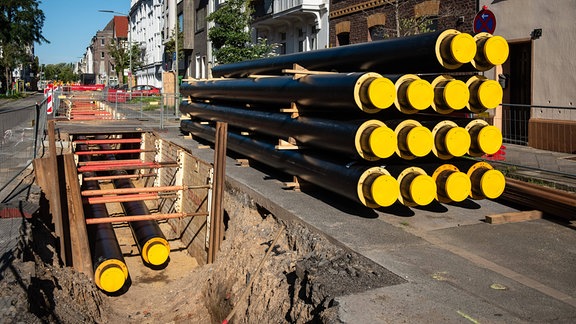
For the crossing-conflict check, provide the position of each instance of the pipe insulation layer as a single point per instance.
(371, 139)
(369, 92)
(372, 186)
(423, 53)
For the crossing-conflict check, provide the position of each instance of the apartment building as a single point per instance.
(146, 26)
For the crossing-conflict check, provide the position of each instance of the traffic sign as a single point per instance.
(485, 21)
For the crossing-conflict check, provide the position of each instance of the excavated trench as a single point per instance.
(297, 282)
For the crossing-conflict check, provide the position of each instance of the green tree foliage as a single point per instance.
(21, 23)
(231, 34)
(120, 55)
(60, 72)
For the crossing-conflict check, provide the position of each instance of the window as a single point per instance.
(103, 41)
(102, 55)
(343, 33)
(343, 39)
(376, 29)
(377, 32)
(200, 19)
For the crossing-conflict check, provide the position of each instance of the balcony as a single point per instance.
(277, 8)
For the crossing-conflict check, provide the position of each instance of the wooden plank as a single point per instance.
(514, 217)
(55, 201)
(81, 260)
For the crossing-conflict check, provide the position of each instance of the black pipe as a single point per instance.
(370, 139)
(368, 92)
(153, 246)
(429, 52)
(371, 186)
(110, 271)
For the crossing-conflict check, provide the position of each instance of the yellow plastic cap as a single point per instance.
(111, 275)
(422, 190)
(382, 93)
(383, 142)
(420, 94)
(419, 141)
(457, 141)
(489, 139)
(496, 50)
(156, 251)
(456, 94)
(490, 94)
(492, 184)
(385, 190)
(463, 48)
(457, 186)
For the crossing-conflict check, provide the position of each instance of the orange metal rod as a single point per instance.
(126, 176)
(110, 162)
(109, 141)
(145, 165)
(94, 152)
(101, 192)
(124, 198)
(135, 218)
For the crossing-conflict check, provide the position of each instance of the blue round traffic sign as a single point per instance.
(485, 21)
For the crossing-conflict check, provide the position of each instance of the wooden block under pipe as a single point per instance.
(514, 217)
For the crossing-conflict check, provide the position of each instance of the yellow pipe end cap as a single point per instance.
(112, 278)
(489, 139)
(385, 190)
(458, 186)
(382, 93)
(419, 141)
(456, 94)
(420, 94)
(457, 141)
(463, 48)
(496, 50)
(157, 253)
(383, 142)
(422, 190)
(490, 94)
(492, 184)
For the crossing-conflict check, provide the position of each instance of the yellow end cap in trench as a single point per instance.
(490, 94)
(382, 93)
(383, 142)
(420, 94)
(419, 141)
(463, 48)
(457, 186)
(456, 94)
(457, 141)
(111, 275)
(492, 184)
(489, 139)
(496, 50)
(422, 190)
(385, 190)
(157, 251)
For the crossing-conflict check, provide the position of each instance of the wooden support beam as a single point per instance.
(53, 181)
(81, 260)
(514, 217)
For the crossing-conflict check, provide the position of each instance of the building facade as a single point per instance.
(145, 27)
(539, 78)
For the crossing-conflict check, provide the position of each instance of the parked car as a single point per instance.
(145, 90)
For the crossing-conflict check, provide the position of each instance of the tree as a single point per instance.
(231, 34)
(120, 55)
(21, 23)
(60, 72)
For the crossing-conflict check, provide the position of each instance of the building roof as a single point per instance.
(121, 26)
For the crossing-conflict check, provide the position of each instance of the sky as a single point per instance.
(70, 26)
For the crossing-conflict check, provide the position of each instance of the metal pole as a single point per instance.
(176, 83)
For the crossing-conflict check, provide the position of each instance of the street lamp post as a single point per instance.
(129, 43)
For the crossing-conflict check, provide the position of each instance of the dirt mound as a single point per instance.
(296, 284)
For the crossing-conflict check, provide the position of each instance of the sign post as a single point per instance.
(485, 21)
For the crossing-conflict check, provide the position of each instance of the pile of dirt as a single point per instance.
(297, 283)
